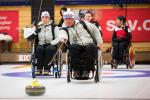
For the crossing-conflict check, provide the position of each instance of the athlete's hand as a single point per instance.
(99, 46)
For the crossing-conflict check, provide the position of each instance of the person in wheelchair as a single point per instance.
(121, 39)
(46, 34)
(83, 37)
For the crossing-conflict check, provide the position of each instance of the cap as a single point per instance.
(68, 14)
(45, 13)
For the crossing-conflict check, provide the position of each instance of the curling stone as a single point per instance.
(35, 89)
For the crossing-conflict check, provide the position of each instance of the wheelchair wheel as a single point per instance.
(99, 65)
(112, 67)
(126, 61)
(33, 68)
(33, 73)
(68, 67)
(114, 64)
(58, 68)
(68, 77)
(131, 57)
(127, 66)
(96, 78)
(56, 74)
(60, 63)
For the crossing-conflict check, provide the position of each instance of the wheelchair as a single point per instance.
(96, 70)
(128, 58)
(55, 65)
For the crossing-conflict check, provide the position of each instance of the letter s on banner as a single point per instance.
(110, 25)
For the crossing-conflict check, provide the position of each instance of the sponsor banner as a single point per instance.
(9, 23)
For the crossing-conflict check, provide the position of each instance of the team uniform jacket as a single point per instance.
(79, 35)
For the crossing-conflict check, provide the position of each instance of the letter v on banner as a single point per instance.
(132, 26)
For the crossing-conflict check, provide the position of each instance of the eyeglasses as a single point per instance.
(45, 17)
(67, 16)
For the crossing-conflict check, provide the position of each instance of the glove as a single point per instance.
(59, 39)
(99, 46)
(38, 30)
(56, 41)
(62, 39)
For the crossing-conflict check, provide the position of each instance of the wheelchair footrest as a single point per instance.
(81, 78)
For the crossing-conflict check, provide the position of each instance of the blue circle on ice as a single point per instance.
(113, 74)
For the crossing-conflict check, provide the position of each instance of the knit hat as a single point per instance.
(45, 13)
(68, 14)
